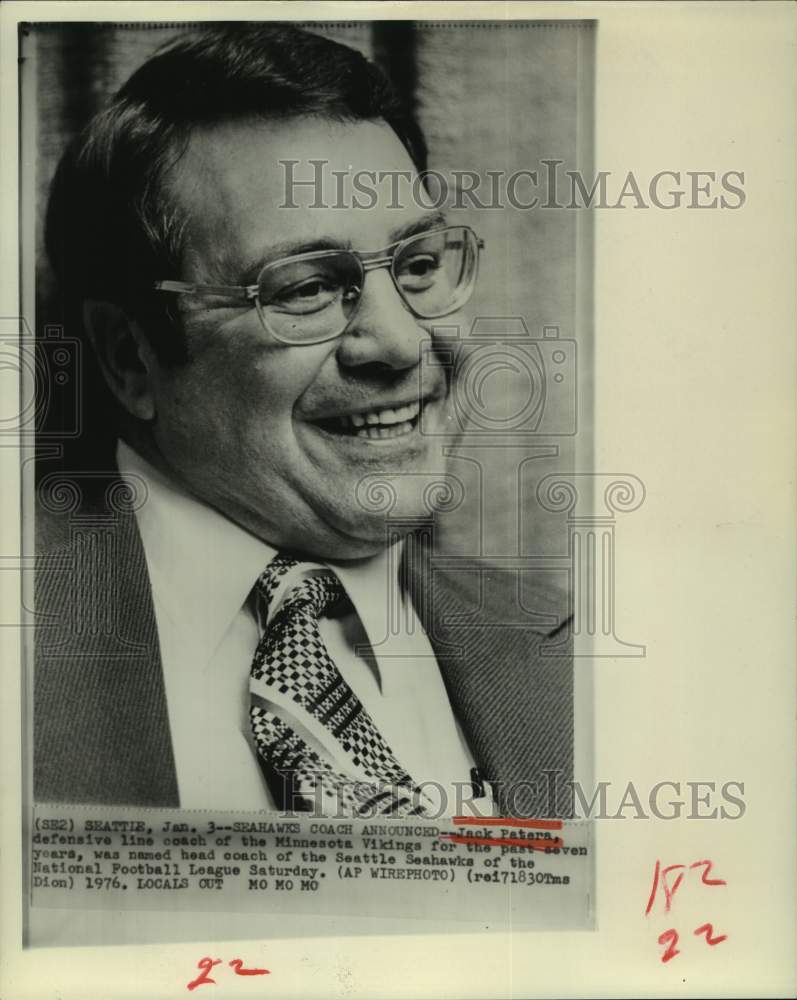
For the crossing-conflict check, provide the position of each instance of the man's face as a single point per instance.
(252, 426)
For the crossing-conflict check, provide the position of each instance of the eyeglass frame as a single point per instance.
(369, 260)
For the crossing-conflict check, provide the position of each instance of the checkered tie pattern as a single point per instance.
(308, 725)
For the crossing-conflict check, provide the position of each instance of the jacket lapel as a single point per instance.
(101, 727)
(509, 676)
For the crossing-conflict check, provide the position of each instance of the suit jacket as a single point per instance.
(101, 727)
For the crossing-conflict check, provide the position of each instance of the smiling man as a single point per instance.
(263, 364)
(318, 371)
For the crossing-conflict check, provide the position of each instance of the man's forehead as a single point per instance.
(240, 186)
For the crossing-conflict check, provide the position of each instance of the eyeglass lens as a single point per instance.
(312, 298)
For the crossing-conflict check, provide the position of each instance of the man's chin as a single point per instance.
(384, 518)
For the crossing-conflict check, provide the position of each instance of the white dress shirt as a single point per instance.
(202, 568)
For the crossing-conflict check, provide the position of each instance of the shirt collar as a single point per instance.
(367, 584)
(203, 566)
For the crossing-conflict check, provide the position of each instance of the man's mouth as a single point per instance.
(376, 424)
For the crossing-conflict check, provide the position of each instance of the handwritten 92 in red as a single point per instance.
(666, 887)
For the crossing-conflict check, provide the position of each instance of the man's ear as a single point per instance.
(124, 356)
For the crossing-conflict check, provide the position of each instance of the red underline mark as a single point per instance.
(530, 824)
(533, 845)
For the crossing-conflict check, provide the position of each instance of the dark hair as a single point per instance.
(110, 232)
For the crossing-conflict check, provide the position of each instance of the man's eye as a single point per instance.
(307, 296)
(418, 267)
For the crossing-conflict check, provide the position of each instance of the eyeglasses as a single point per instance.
(312, 297)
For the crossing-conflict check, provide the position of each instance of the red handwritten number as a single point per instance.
(669, 891)
(652, 896)
(660, 878)
(670, 938)
(707, 929)
(205, 964)
(704, 878)
(237, 964)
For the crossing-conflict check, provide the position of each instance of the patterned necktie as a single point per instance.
(309, 727)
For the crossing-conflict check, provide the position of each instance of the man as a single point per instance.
(267, 367)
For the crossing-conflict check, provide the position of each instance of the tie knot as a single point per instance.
(285, 576)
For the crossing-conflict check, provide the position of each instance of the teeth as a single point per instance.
(408, 412)
(391, 431)
(387, 417)
(380, 419)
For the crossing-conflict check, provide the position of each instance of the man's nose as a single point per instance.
(383, 331)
